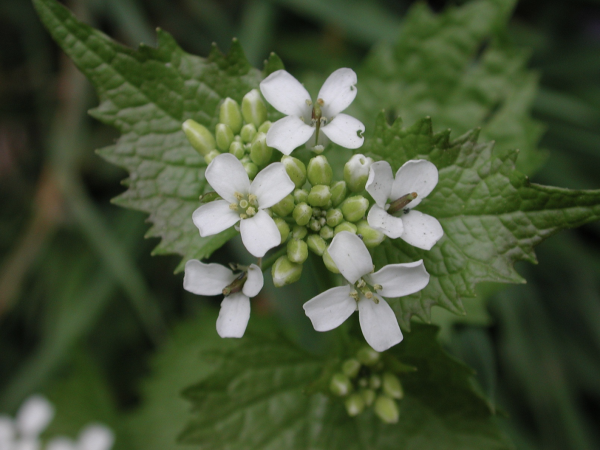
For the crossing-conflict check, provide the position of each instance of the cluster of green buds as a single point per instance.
(364, 382)
(317, 210)
(240, 131)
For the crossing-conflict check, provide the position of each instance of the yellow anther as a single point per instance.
(377, 287)
(233, 206)
(238, 196)
(376, 300)
(308, 102)
(243, 216)
(369, 295)
(354, 295)
(253, 200)
(251, 211)
(361, 283)
(320, 101)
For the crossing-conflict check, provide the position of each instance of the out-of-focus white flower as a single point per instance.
(92, 437)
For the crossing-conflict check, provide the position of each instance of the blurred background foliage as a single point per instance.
(84, 309)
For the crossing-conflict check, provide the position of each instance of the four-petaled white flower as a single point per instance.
(313, 123)
(212, 279)
(414, 177)
(365, 292)
(244, 201)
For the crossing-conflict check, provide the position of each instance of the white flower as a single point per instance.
(92, 437)
(365, 292)
(211, 279)
(316, 123)
(244, 201)
(31, 420)
(417, 176)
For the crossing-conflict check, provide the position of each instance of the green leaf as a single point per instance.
(147, 94)
(257, 400)
(459, 68)
(491, 214)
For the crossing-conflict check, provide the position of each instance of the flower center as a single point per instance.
(246, 206)
(362, 288)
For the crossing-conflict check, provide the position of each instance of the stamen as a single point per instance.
(238, 196)
(320, 101)
(243, 216)
(253, 200)
(369, 295)
(233, 206)
(251, 211)
(377, 287)
(308, 103)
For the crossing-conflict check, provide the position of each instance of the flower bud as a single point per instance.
(314, 225)
(338, 192)
(201, 139)
(316, 244)
(248, 132)
(354, 208)
(295, 169)
(284, 207)
(300, 195)
(375, 382)
(354, 405)
(367, 356)
(283, 227)
(319, 171)
(251, 169)
(260, 152)
(370, 236)
(211, 155)
(224, 136)
(285, 272)
(387, 409)
(302, 214)
(340, 385)
(254, 109)
(297, 251)
(319, 195)
(334, 217)
(356, 172)
(230, 115)
(392, 386)
(329, 263)
(264, 127)
(345, 226)
(368, 396)
(237, 149)
(299, 232)
(351, 367)
(326, 232)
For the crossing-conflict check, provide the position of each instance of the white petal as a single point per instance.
(214, 217)
(391, 226)
(226, 175)
(330, 309)
(233, 316)
(351, 256)
(398, 280)
(260, 234)
(271, 185)
(421, 230)
(206, 279)
(344, 130)
(255, 281)
(380, 181)
(27, 443)
(288, 133)
(286, 94)
(96, 437)
(338, 91)
(34, 416)
(61, 443)
(418, 176)
(378, 324)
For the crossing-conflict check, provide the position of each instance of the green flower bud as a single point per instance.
(248, 132)
(237, 149)
(300, 195)
(319, 171)
(351, 367)
(345, 226)
(319, 195)
(392, 386)
(285, 272)
(354, 208)
(201, 139)
(254, 109)
(370, 236)
(295, 169)
(283, 227)
(316, 244)
(329, 263)
(354, 405)
(338, 192)
(230, 115)
(260, 152)
(367, 356)
(314, 225)
(264, 127)
(224, 136)
(302, 213)
(340, 385)
(356, 172)
(211, 155)
(297, 251)
(368, 396)
(387, 409)
(299, 232)
(251, 169)
(334, 217)
(284, 207)
(326, 232)
(375, 382)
